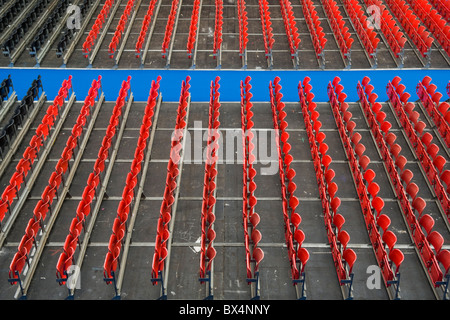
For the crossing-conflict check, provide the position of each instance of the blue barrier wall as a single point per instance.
(230, 80)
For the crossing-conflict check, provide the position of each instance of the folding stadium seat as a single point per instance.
(427, 222)
(350, 257)
(378, 204)
(433, 150)
(16, 267)
(397, 257)
(369, 175)
(412, 189)
(436, 240)
(389, 239)
(444, 258)
(383, 222)
(338, 221)
(364, 161)
(343, 238)
(419, 205)
(335, 203)
(373, 189)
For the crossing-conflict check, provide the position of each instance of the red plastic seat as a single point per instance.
(338, 221)
(329, 175)
(343, 238)
(373, 189)
(389, 238)
(255, 219)
(383, 222)
(395, 150)
(256, 236)
(433, 150)
(378, 204)
(439, 162)
(356, 137)
(390, 138)
(258, 255)
(369, 175)
(427, 222)
(412, 189)
(303, 256)
(299, 236)
(332, 189)
(419, 127)
(350, 257)
(397, 257)
(385, 126)
(400, 162)
(436, 240)
(406, 176)
(326, 160)
(335, 203)
(444, 258)
(16, 266)
(419, 205)
(364, 162)
(359, 149)
(426, 139)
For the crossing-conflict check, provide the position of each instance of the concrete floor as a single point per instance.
(229, 265)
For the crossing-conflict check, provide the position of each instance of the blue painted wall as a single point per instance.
(230, 80)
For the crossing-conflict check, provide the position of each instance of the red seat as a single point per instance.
(400, 162)
(299, 236)
(439, 162)
(335, 203)
(303, 255)
(383, 222)
(16, 266)
(433, 150)
(395, 150)
(255, 219)
(427, 222)
(426, 139)
(343, 238)
(389, 238)
(332, 189)
(412, 189)
(378, 204)
(359, 149)
(373, 189)
(444, 258)
(406, 176)
(385, 126)
(356, 137)
(350, 257)
(369, 175)
(419, 127)
(436, 240)
(329, 175)
(419, 205)
(258, 255)
(390, 138)
(256, 237)
(364, 162)
(397, 257)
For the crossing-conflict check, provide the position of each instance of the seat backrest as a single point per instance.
(436, 240)
(383, 222)
(444, 258)
(427, 222)
(350, 257)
